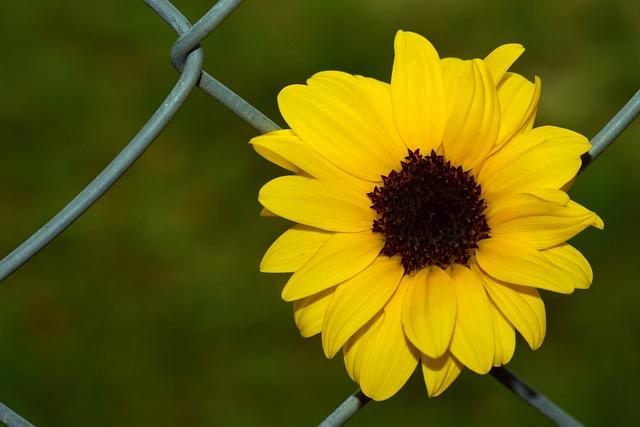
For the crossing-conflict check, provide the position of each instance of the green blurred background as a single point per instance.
(149, 311)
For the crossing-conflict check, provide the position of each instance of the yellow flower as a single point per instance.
(428, 211)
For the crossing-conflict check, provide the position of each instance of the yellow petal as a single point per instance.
(357, 300)
(570, 260)
(518, 105)
(439, 373)
(373, 100)
(336, 115)
(518, 263)
(319, 204)
(354, 349)
(429, 312)
(518, 205)
(502, 57)
(417, 92)
(453, 71)
(286, 149)
(505, 337)
(472, 127)
(309, 312)
(292, 249)
(380, 94)
(342, 256)
(532, 118)
(473, 338)
(542, 223)
(261, 145)
(521, 305)
(544, 157)
(384, 356)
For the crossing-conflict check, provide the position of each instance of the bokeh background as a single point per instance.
(150, 311)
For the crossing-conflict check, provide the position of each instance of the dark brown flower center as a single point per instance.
(430, 212)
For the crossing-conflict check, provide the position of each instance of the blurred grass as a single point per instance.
(150, 310)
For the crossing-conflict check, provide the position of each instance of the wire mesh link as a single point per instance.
(189, 39)
(111, 173)
(187, 58)
(189, 62)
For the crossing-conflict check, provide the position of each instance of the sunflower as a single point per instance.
(428, 211)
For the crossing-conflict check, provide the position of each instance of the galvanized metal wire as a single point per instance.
(187, 58)
(612, 130)
(534, 398)
(346, 410)
(11, 419)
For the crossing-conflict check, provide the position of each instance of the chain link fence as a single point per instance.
(187, 58)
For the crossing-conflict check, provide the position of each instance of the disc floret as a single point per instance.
(430, 212)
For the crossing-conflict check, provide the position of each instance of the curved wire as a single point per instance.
(201, 29)
(111, 173)
(210, 85)
(191, 68)
(189, 59)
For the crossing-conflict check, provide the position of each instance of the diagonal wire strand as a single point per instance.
(346, 410)
(537, 400)
(612, 130)
(540, 402)
(11, 419)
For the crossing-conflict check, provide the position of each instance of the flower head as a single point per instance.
(428, 211)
